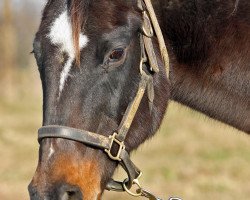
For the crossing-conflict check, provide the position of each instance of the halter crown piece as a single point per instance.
(109, 144)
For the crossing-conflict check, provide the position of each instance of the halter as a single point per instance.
(115, 142)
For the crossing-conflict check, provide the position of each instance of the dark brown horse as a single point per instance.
(88, 53)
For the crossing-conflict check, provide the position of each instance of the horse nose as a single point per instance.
(60, 192)
(69, 192)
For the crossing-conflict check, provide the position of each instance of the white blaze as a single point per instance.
(61, 35)
(51, 150)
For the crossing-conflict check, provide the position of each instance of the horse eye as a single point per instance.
(116, 54)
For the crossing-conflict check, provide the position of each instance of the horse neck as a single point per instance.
(209, 57)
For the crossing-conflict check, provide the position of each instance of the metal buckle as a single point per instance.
(121, 145)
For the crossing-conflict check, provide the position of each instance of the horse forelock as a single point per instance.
(78, 17)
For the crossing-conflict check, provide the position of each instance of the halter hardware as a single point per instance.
(107, 144)
(147, 28)
(135, 182)
(121, 145)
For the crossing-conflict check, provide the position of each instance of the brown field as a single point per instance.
(191, 156)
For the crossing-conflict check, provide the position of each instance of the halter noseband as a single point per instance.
(116, 140)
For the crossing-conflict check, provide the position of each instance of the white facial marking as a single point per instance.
(51, 150)
(65, 73)
(61, 35)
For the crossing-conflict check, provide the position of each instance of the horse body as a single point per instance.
(89, 72)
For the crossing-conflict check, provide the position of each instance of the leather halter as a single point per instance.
(109, 144)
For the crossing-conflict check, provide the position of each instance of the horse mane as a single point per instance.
(78, 16)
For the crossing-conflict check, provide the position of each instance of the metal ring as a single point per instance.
(135, 182)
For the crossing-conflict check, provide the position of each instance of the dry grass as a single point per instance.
(191, 156)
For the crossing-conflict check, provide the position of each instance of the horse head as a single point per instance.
(89, 55)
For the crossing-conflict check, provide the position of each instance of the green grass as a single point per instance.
(191, 156)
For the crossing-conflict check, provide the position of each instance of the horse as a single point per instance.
(106, 87)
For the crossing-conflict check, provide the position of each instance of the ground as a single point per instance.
(191, 156)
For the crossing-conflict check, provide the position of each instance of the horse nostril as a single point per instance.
(70, 193)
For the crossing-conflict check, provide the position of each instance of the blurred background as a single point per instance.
(192, 157)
